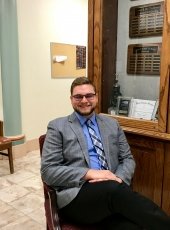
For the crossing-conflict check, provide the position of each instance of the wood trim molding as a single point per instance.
(153, 134)
(164, 73)
(95, 45)
(136, 123)
(90, 38)
(141, 127)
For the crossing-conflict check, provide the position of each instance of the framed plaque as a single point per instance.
(80, 57)
(146, 20)
(144, 59)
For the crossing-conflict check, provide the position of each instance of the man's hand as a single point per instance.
(100, 175)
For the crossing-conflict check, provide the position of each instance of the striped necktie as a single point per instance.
(97, 144)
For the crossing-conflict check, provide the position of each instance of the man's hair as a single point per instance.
(81, 81)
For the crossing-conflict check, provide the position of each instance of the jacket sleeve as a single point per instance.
(126, 166)
(55, 171)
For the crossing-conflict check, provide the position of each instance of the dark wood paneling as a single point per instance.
(166, 181)
(95, 45)
(109, 44)
(149, 157)
(102, 42)
(90, 38)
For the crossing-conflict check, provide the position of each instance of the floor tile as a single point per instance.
(5, 183)
(4, 168)
(28, 203)
(32, 184)
(12, 193)
(24, 223)
(19, 176)
(4, 207)
(39, 216)
(21, 194)
(9, 216)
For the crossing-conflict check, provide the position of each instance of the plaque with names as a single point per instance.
(146, 20)
(144, 59)
(80, 57)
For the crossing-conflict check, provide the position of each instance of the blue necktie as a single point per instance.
(97, 144)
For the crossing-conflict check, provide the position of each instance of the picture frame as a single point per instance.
(155, 111)
(143, 109)
(123, 105)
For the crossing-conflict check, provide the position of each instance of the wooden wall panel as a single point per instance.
(102, 48)
(90, 38)
(165, 62)
(165, 101)
(149, 157)
(166, 181)
(109, 49)
(98, 5)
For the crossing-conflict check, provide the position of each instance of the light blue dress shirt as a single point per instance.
(94, 159)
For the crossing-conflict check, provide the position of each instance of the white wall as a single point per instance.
(41, 22)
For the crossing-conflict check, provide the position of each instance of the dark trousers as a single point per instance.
(117, 206)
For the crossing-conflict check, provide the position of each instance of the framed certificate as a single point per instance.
(143, 109)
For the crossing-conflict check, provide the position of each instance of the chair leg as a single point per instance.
(10, 160)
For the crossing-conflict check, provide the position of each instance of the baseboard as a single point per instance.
(22, 149)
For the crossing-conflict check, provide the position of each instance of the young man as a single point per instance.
(87, 160)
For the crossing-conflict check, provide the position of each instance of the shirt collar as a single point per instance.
(83, 119)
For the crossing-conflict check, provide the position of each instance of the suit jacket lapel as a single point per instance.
(77, 129)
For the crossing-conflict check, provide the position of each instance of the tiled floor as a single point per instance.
(21, 194)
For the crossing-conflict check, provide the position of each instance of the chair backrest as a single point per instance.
(1, 129)
(53, 217)
(41, 142)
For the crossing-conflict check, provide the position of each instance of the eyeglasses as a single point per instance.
(88, 96)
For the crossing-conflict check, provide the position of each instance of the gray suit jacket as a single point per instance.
(65, 158)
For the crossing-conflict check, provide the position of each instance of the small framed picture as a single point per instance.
(143, 109)
(123, 105)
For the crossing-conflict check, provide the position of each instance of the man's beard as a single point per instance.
(84, 113)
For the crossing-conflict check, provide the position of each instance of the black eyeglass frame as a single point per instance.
(88, 96)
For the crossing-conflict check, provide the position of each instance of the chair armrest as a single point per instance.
(16, 137)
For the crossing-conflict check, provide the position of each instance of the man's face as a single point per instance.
(84, 99)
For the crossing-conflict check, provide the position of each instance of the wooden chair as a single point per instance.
(6, 144)
(54, 219)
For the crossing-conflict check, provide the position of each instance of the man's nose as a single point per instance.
(84, 99)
